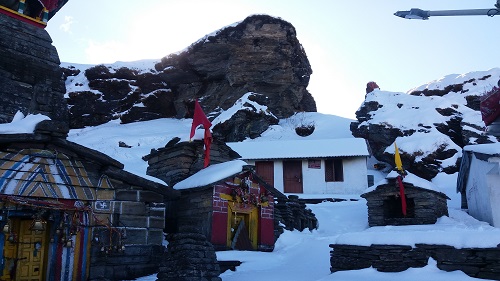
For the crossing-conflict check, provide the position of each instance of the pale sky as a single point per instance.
(348, 43)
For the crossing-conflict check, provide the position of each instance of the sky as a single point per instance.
(348, 43)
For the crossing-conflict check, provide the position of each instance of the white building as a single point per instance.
(479, 180)
(327, 166)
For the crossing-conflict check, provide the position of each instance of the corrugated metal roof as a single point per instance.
(346, 147)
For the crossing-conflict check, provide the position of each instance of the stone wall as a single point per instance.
(293, 214)
(30, 78)
(475, 262)
(190, 257)
(135, 261)
(193, 208)
(135, 248)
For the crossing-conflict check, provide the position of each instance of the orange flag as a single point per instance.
(199, 118)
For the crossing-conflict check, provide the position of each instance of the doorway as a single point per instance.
(24, 252)
(292, 176)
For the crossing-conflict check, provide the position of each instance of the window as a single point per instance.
(334, 170)
(371, 180)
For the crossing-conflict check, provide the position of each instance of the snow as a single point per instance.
(409, 178)
(21, 124)
(305, 256)
(211, 174)
(488, 148)
(243, 103)
(280, 149)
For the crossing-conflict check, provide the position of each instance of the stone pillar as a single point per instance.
(30, 77)
(190, 257)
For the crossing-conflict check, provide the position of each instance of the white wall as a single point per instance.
(478, 191)
(493, 182)
(355, 177)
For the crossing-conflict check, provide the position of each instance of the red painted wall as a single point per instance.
(266, 224)
(219, 217)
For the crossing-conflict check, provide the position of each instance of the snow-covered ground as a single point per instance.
(305, 256)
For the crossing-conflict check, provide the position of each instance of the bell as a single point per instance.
(38, 225)
(6, 228)
(69, 243)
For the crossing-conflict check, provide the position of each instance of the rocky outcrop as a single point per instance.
(30, 76)
(117, 92)
(444, 120)
(261, 55)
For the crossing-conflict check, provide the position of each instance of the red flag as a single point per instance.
(199, 118)
(207, 139)
(402, 194)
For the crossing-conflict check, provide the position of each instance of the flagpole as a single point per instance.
(401, 174)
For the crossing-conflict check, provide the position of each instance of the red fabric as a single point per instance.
(199, 118)
(49, 4)
(490, 106)
(402, 195)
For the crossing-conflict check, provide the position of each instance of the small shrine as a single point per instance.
(68, 212)
(233, 211)
(424, 204)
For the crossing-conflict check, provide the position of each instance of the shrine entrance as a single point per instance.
(242, 227)
(25, 252)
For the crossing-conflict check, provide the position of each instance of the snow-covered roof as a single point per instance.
(409, 178)
(22, 124)
(211, 174)
(487, 148)
(301, 148)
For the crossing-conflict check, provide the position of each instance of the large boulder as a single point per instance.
(260, 54)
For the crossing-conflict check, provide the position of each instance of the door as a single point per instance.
(292, 176)
(30, 253)
(24, 252)
(265, 169)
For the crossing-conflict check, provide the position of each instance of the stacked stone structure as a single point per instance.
(179, 160)
(424, 206)
(190, 257)
(293, 214)
(475, 262)
(30, 77)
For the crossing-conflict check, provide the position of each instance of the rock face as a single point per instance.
(30, 77)
(261, 55)
(444, 119)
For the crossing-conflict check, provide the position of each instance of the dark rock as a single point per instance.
(261, 54)
(455, 126)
